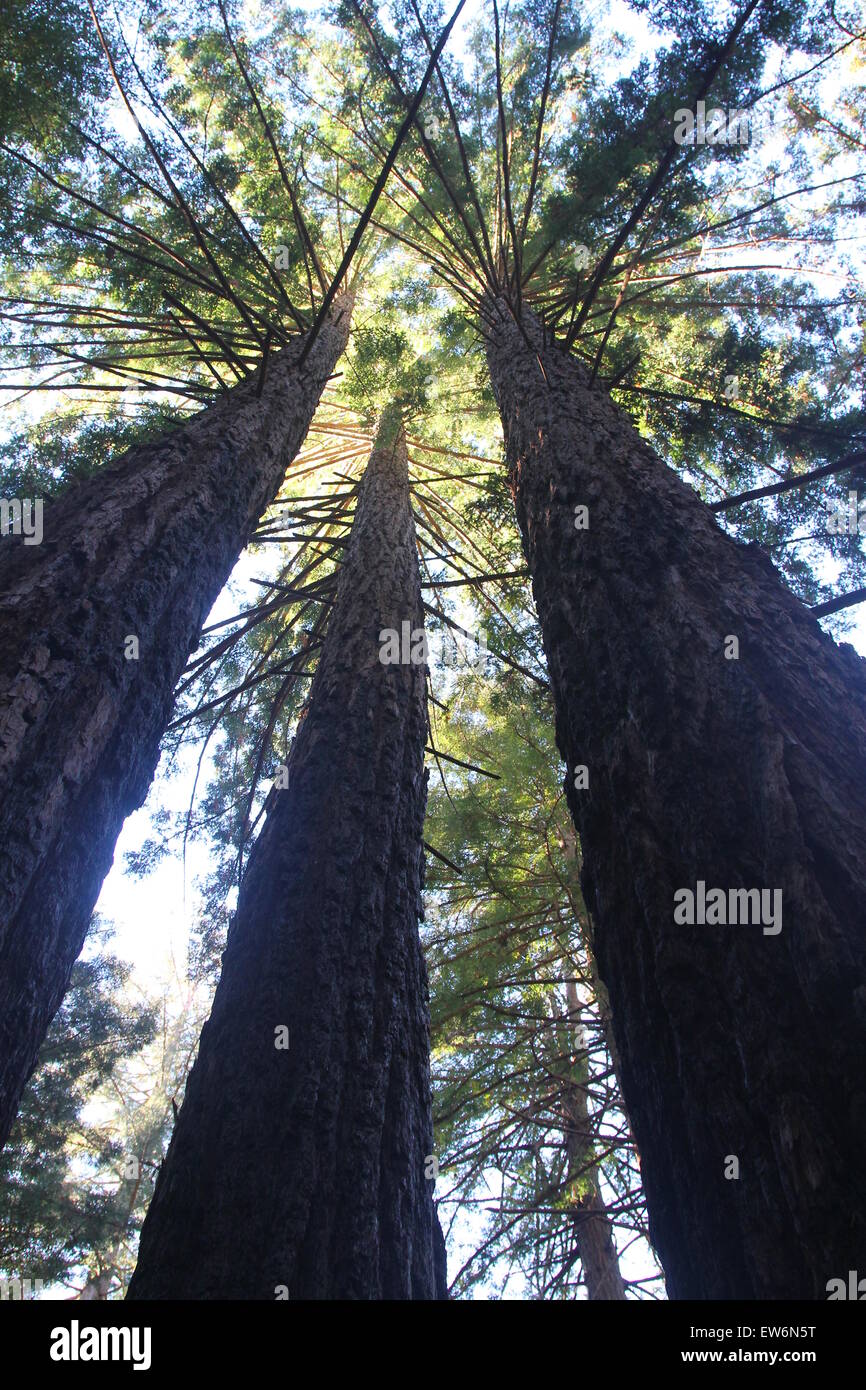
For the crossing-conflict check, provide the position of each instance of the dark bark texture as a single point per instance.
(303, 1169)
(747, 773)
(141, 549)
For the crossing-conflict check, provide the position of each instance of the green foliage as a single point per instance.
(56, 1214)
(50, 72)
(736, 364)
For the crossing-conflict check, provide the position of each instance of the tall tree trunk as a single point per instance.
(96, 1288)
(593, 1234)
(140, 551)
(300, 1172)
(740, 1048)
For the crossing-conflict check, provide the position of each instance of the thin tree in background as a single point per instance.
(539, 1180)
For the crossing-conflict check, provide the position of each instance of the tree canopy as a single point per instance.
(182, 192)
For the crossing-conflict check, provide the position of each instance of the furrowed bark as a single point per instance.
(299, 1172)
(140, 550)
(745, 773)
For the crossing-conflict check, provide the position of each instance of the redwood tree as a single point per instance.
(96, 625)
(741, 764)
(298, 1166)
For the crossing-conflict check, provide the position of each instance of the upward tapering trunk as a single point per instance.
(593, 1231)
(741, 1048)
(299, 1171)
(138, 551)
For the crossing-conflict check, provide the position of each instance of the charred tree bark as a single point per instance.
(299, 1172)
(140, 550)
(593, 1234)
(738, 1048)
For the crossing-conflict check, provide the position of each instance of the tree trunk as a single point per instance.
(592, 1227)
(96, 1288)
(140, 550)
(299, 1171)
(740, 1047)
